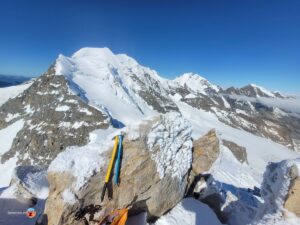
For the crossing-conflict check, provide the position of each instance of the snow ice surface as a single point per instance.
(69, 197)
(37, 184)
(62, 108)
(189, 212)
(173, 138)
(8, 134)
(11, 117)
(259, 154)
(8, 167)
(12, 91)
(75, 159)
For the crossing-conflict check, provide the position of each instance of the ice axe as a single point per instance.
(110, 166)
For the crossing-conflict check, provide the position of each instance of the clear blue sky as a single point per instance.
(228, 42)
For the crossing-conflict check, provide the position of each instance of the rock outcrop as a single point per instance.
(293, 197)
(239, 152)
(206, 150)
(156, 160)
(54, 118)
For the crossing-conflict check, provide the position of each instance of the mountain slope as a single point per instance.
(115, 84)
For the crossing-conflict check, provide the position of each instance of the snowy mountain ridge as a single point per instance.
(110, 82)
(115, 81)
(196, 83)
(68, 117)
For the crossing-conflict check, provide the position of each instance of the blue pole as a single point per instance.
(118, 162)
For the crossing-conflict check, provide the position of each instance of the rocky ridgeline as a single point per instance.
(53, 119)
(245, 113)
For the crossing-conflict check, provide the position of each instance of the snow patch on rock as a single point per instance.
(75, 159)
(69, 197)
(62, 108)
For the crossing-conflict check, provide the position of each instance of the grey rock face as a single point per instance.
(54, 118)
(250, 91)
(154, 94)
(261, 120)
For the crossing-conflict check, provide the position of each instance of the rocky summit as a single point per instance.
(178, 148)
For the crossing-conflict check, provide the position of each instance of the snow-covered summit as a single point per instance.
(196, 83)
(111, 82)
(259, 90)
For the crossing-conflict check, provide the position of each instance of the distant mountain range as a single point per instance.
(10, 80)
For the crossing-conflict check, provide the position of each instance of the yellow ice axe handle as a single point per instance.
(110, 167)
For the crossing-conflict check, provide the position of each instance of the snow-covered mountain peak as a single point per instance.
(255, 91)
(104, 53)
(196, 83)
(96, 55)
(125, 59)
(113, 81)
(260, 90)
(187, 77)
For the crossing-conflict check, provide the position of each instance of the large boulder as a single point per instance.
(206, 150)
(156, 160)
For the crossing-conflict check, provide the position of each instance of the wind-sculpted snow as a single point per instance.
(172, 137)
(275, 187)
